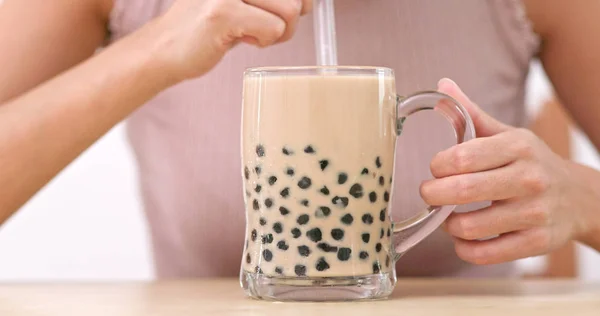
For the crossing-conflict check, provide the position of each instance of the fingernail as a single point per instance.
(446, 83)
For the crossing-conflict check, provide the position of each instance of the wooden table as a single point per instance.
(224, 297)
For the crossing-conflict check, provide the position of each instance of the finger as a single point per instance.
(307, 6)
(264, 27)
(485, 125)
(499, 218)
(288, 10)
(491, 185)
(508, 247)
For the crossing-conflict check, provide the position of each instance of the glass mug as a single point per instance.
(318, 147)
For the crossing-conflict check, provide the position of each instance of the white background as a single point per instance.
(87, 224)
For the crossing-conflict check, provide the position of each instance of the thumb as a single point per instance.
(485, 125)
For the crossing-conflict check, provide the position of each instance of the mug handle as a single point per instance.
(410, 232)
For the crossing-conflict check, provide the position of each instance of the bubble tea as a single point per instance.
(317, 162)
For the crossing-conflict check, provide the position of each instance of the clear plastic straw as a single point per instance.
(324, 28)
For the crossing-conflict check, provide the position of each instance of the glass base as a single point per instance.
(366, 287)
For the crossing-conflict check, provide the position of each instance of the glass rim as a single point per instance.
(318, 70)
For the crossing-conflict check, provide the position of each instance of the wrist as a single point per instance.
(589, 211)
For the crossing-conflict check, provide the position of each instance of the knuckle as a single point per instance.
(535, 181)
(463, 227)
(465, 190)
(291, 9)
(471, 253)
(523, 144)
(462, 160)
(538, 214)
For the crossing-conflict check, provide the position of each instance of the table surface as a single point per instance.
(224, 297)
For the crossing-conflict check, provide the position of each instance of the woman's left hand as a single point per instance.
(538, 202)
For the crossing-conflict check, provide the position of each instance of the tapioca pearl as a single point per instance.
(366, 237)
(363, 255)
(258, 270)
(364, 171)
(285, 193)
(387, 261)
(246, 243)
(246, 173)
(267, 239)
(356, 190)
(381, 181)
(322, 212)
(322, 264)
(283, 210)
(391, 180)
(378, 162)
(389, 232)
(279, 270)
(340, 201)
(324, 190)
(267, 255)
(262, 221)
(304, 202)
(376, 267)
(286, 151)
(296, 233)
(268, 202)
(304, 251)
(300, 270)
(327, 247)
(248, 194)
(323, 164)
(258, 170)
(302, 219)
(248, 258)
(253, 235)
(382, 233)
(342, 177)
(344, 254)
(382, 215)
(309, 149)
(258, 188)
(278, 228)
(337, 234)
(314, 234)
(260, 150)
(272, 180)
(255, 205)
(373, 197)
(304, 183)
(378, 247)
(367, 219)
(347, 219)
(283, 245)
(290, 171)
(386, 196)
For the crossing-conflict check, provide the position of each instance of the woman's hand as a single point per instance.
(195, 34)
(539, 200)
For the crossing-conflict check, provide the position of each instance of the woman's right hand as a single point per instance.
(193, 35)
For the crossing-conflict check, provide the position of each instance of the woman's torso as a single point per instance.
(187, 139)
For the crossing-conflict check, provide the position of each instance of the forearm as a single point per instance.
(589, 209)
(45, 129)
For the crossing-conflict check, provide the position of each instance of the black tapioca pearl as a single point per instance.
(327, 247)
(314, 234)
(367, 219)
(389, 232)
(246, 173)
(296, 232)
(253, 235)
(248, 194)
(283, 245)
(378, 162)
(322, 211)
(246, 243)
(378, 247)
(382, 214)
(286, 151)
(322, 265)
(373, 197)
(309, 149)
(283, 210)
(340, 201)
(366, 237)
(285, 192)
(323, 163)
(363, 255)
(386, 196)
(356, 190)
(300, 270)
(279, 270)
(324, 190)
(337, 234)
(260, 150)
(344, 254)
(365, 171)
(255, 205)
(391, 179)
(302, 219)
(382, 233)
(267, 255)
(376, 267)
(347, 219)
(272, 180)
(268, 202)
(258, 170)
(342, 178)
(258, 270)
(262, 221)
(278, 228)
(381, 181)
(267, 239)
(248, 259)
(304, 183)
(387, 261)
(304, 202)
(290, 171)
(304, 251)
